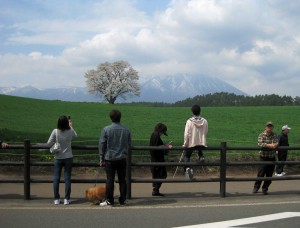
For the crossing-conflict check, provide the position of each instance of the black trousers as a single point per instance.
(282, 156)
(265, 170)
(188, 153)
(159, 172)
(111, 167)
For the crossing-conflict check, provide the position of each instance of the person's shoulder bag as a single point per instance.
(55, 148)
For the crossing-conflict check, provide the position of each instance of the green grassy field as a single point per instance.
(34, 119)
(23, 118)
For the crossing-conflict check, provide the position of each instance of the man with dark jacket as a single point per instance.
(283, 140)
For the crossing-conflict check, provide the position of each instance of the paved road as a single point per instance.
(185, 204)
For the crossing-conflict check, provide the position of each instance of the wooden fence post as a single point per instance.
(27, 169)
(128, 174)
(223, 170)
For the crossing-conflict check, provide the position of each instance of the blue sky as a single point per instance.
(251, 44)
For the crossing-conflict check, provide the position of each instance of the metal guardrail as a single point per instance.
(223, 164)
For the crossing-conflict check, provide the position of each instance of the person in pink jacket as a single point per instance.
(195, 132)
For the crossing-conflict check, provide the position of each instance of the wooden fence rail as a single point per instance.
(223, 164)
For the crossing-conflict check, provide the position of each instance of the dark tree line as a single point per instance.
(228, 99)
(231, 99)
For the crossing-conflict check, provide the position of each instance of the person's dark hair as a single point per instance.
(63, 123)
(196, 110)
(160, 128)
(115, 116)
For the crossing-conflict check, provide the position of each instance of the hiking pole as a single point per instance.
(179, 162)
(203, 169)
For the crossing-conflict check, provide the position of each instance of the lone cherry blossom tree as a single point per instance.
(113, 80)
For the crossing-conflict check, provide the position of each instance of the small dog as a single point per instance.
(95, 195)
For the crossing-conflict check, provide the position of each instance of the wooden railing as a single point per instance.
(222, 164)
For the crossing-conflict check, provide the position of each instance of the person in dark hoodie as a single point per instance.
(158, 172)
(195, 132)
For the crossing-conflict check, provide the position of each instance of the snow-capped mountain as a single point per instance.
(180, 87)
(168, 89)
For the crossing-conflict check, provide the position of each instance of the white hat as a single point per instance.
(286, 127)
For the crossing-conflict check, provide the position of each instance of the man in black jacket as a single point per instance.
(283, 140)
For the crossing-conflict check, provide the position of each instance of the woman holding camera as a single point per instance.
(63, 134)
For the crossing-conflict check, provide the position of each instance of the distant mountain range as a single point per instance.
(64, 94)
(168, 89)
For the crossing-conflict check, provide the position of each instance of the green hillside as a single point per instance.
(34, 119)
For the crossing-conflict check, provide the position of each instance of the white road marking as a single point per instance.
(247, 221)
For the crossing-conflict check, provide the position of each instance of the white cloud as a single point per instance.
(251, 44)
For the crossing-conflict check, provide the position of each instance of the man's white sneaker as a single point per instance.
(66, 202)
(57, 201)
(190, 173)
(105, 203)
(276, 174)
(283, 173)
(279, 174)
(186, 173)
(201, 159)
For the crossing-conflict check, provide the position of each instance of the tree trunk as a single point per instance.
(112, 100)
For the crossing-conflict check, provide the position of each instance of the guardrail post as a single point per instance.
(128, 174)
(27, 169)
(223, 170)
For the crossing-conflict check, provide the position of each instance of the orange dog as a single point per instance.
(95, 195)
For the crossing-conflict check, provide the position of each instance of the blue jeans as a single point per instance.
(111, 167)
(58, 165)
(188, 153)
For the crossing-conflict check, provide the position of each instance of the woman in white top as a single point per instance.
(64, 158)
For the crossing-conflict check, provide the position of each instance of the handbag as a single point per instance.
(55, 148)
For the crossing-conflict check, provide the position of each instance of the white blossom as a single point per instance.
(113, 80)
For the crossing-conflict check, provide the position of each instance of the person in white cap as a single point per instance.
(283, 140)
